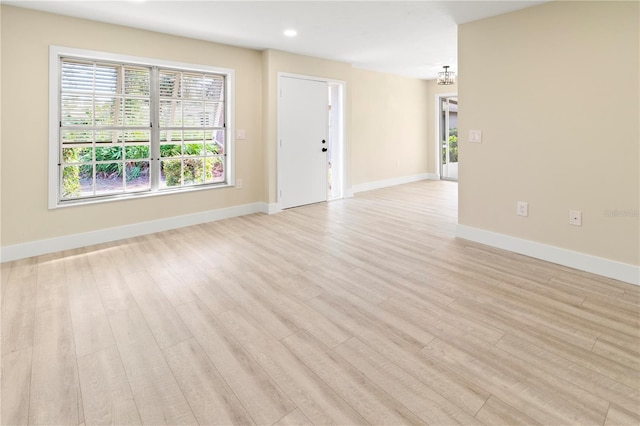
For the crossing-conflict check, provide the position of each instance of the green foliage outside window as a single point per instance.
(70, 175)
(453, 147)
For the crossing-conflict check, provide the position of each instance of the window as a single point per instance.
(124, 127)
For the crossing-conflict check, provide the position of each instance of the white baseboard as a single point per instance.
(391, 182)
(272, 208)
(584, 262)
(68, 242)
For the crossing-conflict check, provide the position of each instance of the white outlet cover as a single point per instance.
(523, 209)
(475, 136)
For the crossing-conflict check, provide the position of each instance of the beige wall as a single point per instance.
(389, 126)
(554, 90)
(26, 36)
(434, 91)
(24, 70)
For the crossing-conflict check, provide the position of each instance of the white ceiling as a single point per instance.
(411, 38)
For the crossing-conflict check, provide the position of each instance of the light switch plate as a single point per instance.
(575, 217)
(475, 136)
(241, 134)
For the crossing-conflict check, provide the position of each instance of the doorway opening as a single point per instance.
(448, 137)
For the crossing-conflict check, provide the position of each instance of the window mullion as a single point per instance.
(154, 163)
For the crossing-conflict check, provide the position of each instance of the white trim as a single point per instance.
(584, 262)
(438, 100)
(67, 242)
(272, 208)
(392, 182)
(54, 122)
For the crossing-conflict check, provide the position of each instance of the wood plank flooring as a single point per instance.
(359, 311)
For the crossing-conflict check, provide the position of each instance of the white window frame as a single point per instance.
(58, 52)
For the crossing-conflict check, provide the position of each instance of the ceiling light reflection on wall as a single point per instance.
(290, 32)
(446, 77)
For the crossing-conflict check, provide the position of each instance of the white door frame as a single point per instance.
(343, 149)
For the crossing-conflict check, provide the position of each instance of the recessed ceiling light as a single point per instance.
(290, 33)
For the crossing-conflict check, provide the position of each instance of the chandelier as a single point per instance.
(446, 77)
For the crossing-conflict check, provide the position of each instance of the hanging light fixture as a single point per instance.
(446, 77)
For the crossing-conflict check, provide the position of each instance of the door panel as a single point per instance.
(302, 128)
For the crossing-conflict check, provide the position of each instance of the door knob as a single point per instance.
(324, 149)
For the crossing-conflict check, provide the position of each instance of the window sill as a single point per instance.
(138, 195)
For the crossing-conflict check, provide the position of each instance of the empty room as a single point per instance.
(320, 212)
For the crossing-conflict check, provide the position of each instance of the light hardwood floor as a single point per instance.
(359, 311)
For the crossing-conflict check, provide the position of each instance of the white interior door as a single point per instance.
(302, 127)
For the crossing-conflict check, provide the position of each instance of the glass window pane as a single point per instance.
(107, 111)
(170, 113)
(215, 170)
(214, 114)
(76, 110)
(137, 176)
(70, 136)
(132, 152)
(192, 86)
(136, 112)
(170, 136)
(137, 136)
(107, 136)
(214, 87)
(170, 150)
(193, 136)
(109, 153)
(71, 182)
(109, 178)
(171, 173)
(86, 180)
(193, 114)
(77, 155)
(137, 81)
(106, 78)
(214, 141)
(76, 76)
(193, 149)
(193, 171)
(169, 84)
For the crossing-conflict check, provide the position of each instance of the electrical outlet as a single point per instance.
(475, 136)
(238, 183)
(575, 217)
(523, 209)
